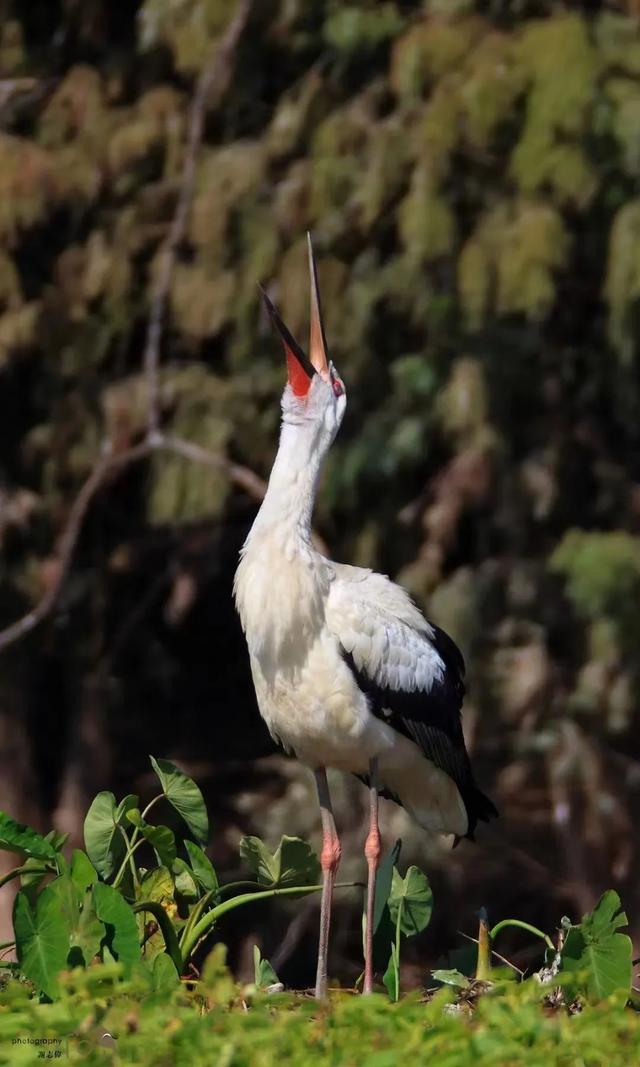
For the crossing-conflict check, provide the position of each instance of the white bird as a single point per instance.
(347, 672)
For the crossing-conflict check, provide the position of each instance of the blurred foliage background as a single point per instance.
(469, 171)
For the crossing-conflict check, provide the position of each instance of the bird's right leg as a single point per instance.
(372, 852)
(329, 860)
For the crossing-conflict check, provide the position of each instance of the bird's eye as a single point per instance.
(338, 387)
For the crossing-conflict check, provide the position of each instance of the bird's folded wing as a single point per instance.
(377, 623)
(411, 672)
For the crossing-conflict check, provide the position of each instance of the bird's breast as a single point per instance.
(316, 709)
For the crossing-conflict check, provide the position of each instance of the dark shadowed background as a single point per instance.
(469, 171)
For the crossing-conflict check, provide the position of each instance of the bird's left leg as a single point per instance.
(329, 860)
(372, 852)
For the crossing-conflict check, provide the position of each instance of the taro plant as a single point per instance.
(403, 909)
(591, 961)
(103, 905)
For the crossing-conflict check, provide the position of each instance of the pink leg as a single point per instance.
(372, 852)
(329, 860)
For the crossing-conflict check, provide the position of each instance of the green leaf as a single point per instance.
(451, 977)
(87, 933)
(186, 884)
(596, 953)
(16, 837)
(164, 976)
(167, 927)
(161, 838)
(184, 795)
(264, 974)
(411, 897)
(57, 839)
(83, 872)
(391, 977)
(34, 874)
(201, 866)
(157, 885)
(66, 894)
(293, 863)
(127, 804)
(121, 936)
(42, 939)
(78, 909)
(102, 836)
(163, 842)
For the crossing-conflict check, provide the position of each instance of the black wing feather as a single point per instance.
(433, 721)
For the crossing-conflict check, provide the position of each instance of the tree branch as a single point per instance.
(106, 465)
(253, 485)
(211, 85)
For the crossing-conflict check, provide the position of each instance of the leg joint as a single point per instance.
(330, 855)
(373, 847)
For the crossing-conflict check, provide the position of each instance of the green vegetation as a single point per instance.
(153, 1022)
(95, 979)
(104, 907)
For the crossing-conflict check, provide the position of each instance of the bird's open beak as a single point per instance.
(317, 340)
(300, 369)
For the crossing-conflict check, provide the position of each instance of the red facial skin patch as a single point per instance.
(298, 379)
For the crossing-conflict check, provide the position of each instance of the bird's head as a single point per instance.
(314, 395)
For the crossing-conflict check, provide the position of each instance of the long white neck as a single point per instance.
(282, 581)
(288, 503)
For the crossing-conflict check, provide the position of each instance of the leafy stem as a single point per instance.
(149, 806)
(17, 871)
(200, 928)
(132, 846)
(396, 970)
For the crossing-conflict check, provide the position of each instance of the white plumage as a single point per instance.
(347, 672)
(308, 610)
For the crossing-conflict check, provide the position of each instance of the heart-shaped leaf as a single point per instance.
(293, 863)
(42, 939)
(102, 834)
(596, 953)
(411, 900)
(16, 837)
(121, 937)
(184, 795)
